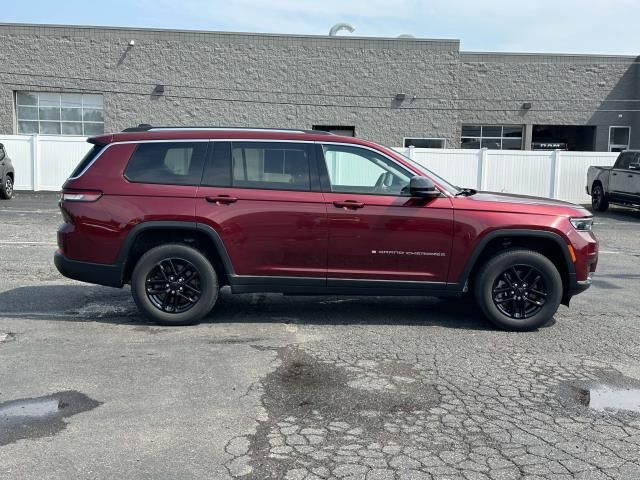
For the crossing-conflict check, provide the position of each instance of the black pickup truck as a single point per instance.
(619, 184)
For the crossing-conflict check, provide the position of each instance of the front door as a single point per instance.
(264, 201)
(620, 176)
(376, 231)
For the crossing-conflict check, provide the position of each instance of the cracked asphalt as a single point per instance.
(309, 388)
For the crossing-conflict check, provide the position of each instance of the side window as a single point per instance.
(358, 170)
(624, 160)
(270, 165)
(217, 172)
(635, 162)
(170, 163)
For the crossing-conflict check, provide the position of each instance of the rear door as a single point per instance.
(264, 200)
(376, 231)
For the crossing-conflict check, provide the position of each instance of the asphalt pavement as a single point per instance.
(308, 388)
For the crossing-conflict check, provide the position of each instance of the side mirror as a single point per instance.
(422, 187)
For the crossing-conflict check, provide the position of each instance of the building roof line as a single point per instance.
(214, 32)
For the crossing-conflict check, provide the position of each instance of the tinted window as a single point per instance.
(217, 173)
(171, 163)
(624, 160)
(87, 159)
(358, 170)
(281, 166)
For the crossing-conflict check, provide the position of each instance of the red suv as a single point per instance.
(180, 212)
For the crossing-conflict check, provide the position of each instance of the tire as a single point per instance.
(171, 275)
(6, 189)
(599, 200)
(514, 275)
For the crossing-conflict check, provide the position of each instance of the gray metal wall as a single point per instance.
(300, 81)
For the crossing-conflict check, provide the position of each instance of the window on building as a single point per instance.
(59, 113)
(170, 163)
(345, 131)
(282, 166)
(619, 138)
(493, 137)
(425, 142)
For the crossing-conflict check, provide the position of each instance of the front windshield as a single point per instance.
(452, 189)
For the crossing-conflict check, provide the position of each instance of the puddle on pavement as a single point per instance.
(606, 398)
(40, 417)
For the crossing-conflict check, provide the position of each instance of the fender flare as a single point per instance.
(521, 233)
(209, 231)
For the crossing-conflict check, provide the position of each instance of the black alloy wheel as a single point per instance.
(174, 285)
(599, 201)
(520, 292)
(518, 289)
(6, 189)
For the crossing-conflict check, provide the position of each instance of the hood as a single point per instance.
(507, 202)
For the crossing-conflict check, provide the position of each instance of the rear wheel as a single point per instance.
(174, 285)
(6, 189)
(599, 201)
(518, 290)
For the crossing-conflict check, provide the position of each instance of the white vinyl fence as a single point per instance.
(43, 162)
(553, 174)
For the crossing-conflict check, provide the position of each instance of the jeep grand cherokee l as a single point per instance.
(180, 212)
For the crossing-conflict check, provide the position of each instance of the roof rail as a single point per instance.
(145, 127)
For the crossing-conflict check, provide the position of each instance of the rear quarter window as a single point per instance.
(170, 163)
(86, 160)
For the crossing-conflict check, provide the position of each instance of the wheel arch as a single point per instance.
(147, 235)
(596, 182)
(547, 243)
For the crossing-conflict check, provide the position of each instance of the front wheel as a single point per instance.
(6, 189)
(174, 285)
(599, 201)
(518, 290)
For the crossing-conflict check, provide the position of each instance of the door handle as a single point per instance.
(630, 176)
(349, 204)
(222, 199)
(614, 174)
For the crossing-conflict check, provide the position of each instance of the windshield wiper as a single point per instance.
(466, 192)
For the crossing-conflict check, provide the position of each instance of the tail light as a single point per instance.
(92, 196)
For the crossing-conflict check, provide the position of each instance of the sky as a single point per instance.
(553, 26)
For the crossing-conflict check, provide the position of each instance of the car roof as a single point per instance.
(220, 133)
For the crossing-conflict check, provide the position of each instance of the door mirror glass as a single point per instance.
(423, 187)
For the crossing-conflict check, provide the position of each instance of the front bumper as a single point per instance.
(97, 273)
(582, 285)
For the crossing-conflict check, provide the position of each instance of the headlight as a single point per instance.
(582, 224)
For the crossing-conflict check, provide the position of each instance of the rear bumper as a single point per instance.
(97, 273)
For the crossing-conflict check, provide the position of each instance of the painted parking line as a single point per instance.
(9, 210)
(8, 242)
